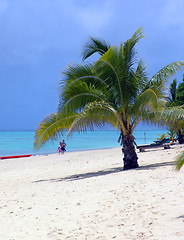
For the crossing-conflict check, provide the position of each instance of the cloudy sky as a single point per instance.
(38, 38)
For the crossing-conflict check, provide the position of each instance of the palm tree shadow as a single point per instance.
(88, 175)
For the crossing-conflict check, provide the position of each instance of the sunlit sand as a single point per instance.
(86, 195)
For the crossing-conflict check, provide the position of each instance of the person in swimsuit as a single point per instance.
(59, 150)
(63, 146)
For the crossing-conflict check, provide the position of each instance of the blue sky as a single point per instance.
(40, 37)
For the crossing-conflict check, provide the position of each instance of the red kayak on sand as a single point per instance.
(17, 156)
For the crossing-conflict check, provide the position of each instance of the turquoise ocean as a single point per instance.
(21, 142)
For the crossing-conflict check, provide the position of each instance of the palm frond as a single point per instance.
(108, 65)
(171, 116)
(129, 49)
(148, 99)
(95, 46)
(141, 76)
(79, 94)
(165, 73)
(81, 85)
(172, 89)
(179, 161)
(51, 128)
(95, 115)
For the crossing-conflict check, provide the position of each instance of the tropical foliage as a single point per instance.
(180, 161)
(172, 134)
(172, 89)
(161, 136)
(114, 90)
(180, 93)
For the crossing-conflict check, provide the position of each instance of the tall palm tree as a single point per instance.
(115, 90)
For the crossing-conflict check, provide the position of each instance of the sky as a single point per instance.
(39, 38)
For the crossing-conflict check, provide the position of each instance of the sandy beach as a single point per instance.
(86, 195)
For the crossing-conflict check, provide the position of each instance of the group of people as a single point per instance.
(62, 147)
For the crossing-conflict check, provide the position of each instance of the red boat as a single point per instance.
(17, 156)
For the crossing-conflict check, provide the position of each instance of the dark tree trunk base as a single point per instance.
(130, 162)
(130, 155)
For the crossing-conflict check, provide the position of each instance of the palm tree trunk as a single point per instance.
(130, 155)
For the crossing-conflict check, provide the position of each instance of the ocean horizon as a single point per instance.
(22, 142)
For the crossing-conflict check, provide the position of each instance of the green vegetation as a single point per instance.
(177, 93)
(173, 87)
(180, 93)
(180, 161)
(114, 90)
(162, 136)
(177, 99)
(172, 134)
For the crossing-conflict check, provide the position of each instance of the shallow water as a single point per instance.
(21, 142)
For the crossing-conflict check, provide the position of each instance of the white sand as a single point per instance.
(85, 195)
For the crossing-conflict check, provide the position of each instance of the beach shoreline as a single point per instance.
(21, 142)
(86, 195)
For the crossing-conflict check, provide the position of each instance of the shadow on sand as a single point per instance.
(105, 172)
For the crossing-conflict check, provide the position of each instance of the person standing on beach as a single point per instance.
(63, 145)
(59, 150)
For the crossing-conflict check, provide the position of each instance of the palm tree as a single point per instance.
(115, 90)
(172, 90)
(175, 126)
(172, 134)
(161, 136)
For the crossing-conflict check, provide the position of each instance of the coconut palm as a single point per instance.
(115, 90)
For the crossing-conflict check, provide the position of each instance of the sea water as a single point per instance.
(22, 142)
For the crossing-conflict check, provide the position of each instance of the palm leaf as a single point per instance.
(141, 76)
(51, 128)
(148, 99)
(128, 50)
(80, 86)
(165, 73)
(95, 46)
(173, 117)
(180, 161)
(172, 89)
(108, 65)
(96, 115)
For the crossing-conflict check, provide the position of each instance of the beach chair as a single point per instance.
(157, 144)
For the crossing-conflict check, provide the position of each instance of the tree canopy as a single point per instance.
(114, 90)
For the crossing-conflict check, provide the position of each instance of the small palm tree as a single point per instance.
(172, 134)
(115, 90)
(161, 136)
